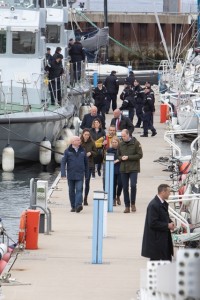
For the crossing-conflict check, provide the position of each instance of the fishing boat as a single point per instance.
(26, 115)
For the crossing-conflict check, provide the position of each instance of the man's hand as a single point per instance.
(171, 226)
(125, 157)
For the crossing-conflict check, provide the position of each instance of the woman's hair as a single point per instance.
(115, 138)
(100, 124)
(82, 138)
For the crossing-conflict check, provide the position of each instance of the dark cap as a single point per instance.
(99, 82)
(48, 49)
(113, 72)
(59, 56)
(58, 49)
(70, 40)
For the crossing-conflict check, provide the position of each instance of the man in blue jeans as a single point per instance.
(76, 162)
(129, 154)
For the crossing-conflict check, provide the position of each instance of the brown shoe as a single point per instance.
(133, 208)
(118, 200)
(127, 210)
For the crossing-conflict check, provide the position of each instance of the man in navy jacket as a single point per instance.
(76, 162)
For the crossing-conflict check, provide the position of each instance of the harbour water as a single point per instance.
(15, 192)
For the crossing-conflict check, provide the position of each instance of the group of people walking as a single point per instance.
(89, 150)
(96, 143)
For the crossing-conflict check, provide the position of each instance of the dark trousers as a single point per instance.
(111, 97)
(139, 115)
(125, 184)
(75, 192)
(77, 70)
(87, 182)
(55, 91)
(117, 189)
(101, 110)
(147, 122)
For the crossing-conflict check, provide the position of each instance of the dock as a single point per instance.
(61, 268)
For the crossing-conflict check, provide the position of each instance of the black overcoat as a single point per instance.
(157, 240)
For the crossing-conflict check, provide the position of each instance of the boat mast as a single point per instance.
(198, 23)
(106, 25)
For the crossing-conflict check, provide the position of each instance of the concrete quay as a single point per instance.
(61, 268)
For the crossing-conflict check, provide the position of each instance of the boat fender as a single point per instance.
(77, 123)
(3, 264)
(22, 228)
(60, 147)
(3, 250)
(8, 159)
(67, 136)
(6, 256)
(45, 152)
(84, 109)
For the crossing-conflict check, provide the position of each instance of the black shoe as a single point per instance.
(99, 172)
(52, 103)
(79, 208)
(144, 135)
(154, 133)
(137, 126)
(72, 210)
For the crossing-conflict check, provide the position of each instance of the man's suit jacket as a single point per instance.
(125, 123)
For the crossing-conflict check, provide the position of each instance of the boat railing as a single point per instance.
(169, 137)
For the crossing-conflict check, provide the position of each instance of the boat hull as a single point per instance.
(25, 131)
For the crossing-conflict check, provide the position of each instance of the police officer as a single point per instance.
(112, 85)
(139, 101)
(55, 71)
(77, 54)
(147, 84)
(129, 103)
(130, 79)
(148, 110)
(99, 95)
(48, 55)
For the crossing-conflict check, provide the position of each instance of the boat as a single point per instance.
(26, 115)
(104, 70)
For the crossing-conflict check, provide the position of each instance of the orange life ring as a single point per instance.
(22, 228)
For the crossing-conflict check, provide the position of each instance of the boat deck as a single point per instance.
(16, 107)
(61, 268)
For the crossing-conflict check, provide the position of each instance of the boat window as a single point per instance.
(23, 42)
(25, 3)
(2, 42)
(53, 34)
(53, 3)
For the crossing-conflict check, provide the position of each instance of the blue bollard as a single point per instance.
(95, 78)
(105, 215)
(97, 233)
(109, 179)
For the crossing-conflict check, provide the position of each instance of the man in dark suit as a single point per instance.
(89, 118)
(157, 240)
(121, 122)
